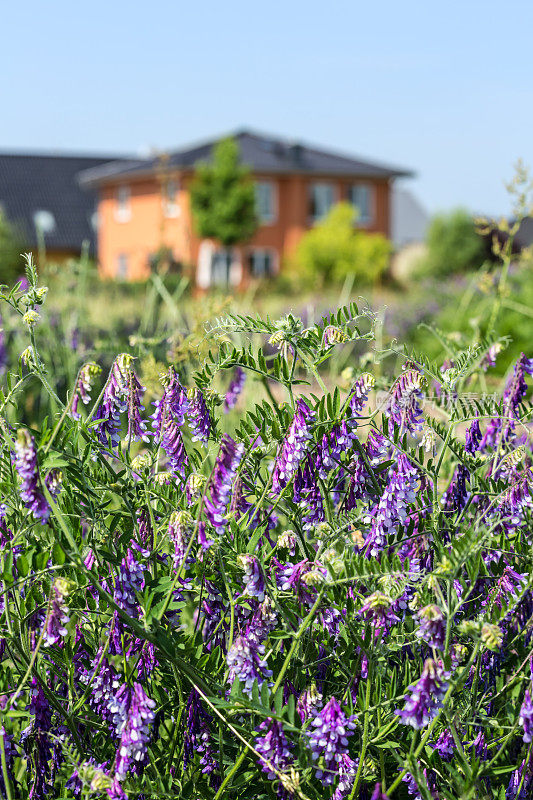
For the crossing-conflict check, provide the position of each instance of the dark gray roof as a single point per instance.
(263, 154)
(48, 183)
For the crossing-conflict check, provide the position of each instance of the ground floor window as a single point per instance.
(221, 267)
(262, 263)
(122, 266)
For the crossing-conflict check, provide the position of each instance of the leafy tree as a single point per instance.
(223, 197)
(334, 249)
(10, 250)
(453, 245)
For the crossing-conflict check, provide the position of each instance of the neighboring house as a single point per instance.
(410, 220)
(144, 207)
(41, 196)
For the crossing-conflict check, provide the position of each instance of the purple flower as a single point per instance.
(234, 389)
(28, 470)
(378, 793)
(224, 472)
(307, 493)
(454, 498)
(424, 698)
(432, 626)
(197, 737)
(526, 717)
(445, 745)
(199, 418)
(135, 731)
(360, 391)
(104, 681)
(246, 664)
(294, 447)
(58, 613)
(179, 530)
(378, 610)
(516, 389)
(253, 577)
(123, 393)
(274, 747)
(37, 734)
(403, 405)
(308, 703)
(82, 388)
(391, 510)
(473, 437)
(167, 420)
(130, 580)
(347, 773)
(329, 739)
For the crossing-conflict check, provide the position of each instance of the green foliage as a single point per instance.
(10, 250)
(334, 249)
(223, 197)
(453, 245)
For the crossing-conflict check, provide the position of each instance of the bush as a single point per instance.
(335, 249)
(453, 245)
(332, 598)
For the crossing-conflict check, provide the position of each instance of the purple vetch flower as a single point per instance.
(347, 772)
(526, 717)
(329, 740)
(95, 776)
(403, 405)
(180, 527)
(246, 663)
(123, 393)
(521, 778)
(489, 359)
(130, 580)
(309, 702)
(167, 420)
(378, 610)
(35, 740)
(445, 745)
(517, 498)
(104, 682)
(424, 698)
(377, 447)
(254, 580)
(516, 389)
(219, 490)
(28, 470)
(234, 389)
(473, 437)
(307, 493)
(135, 731)
(294, 446)
(360, 391)
(391, 510)
(58, 613)
(274, 746)
(197, 738)
(509, 584)
(455, 497)
(331, 447)
(432, 626)
(199, 418)
(378, 793)
(300, 578)
(82, 388)
(263, 621)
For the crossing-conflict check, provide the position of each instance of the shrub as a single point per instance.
(329, 597)
(335, 249)
(453, 245)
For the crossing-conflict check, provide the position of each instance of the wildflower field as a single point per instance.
(262, 575)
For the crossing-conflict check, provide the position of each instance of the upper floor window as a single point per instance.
(123, 207)
(360, 196)
(170, 198)
(322, 199)
(265, 201)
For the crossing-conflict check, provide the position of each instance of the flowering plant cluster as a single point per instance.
(323, 594)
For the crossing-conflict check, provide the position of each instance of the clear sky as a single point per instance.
(443, 88)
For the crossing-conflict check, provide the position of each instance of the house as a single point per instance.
(41, 197)
(144, 207)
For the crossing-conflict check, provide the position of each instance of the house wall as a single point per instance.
(148, 229)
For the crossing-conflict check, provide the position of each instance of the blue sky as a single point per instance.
(443, 88)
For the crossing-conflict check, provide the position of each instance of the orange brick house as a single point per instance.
(144, 206)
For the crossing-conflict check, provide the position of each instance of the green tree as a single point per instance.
(223, 197)
(335, 248)
(453, 245)
(10, 252)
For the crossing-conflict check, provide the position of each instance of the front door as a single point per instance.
(220, 268)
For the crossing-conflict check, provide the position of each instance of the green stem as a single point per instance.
(364, 746)
(296, 640)
(5, 772)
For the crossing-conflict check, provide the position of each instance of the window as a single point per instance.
(122, 266)
(123, 208)
(360, 196)
(261, 263)
(322, 196)
(170, 203)
(264, 201)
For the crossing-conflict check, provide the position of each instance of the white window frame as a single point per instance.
(270, 251)
(123, 203)
(272, 218)
(123, 267)
(170, 206)
(334, 199)
(366, 220)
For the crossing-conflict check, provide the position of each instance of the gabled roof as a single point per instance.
(31, 183)
(263, 154)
